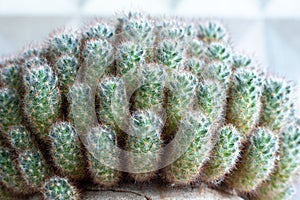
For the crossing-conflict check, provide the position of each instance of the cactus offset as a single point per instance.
(10, 74)
(57, 188)
(277, 96)
(244, 101)
(10, 110)
(11, 177)
(182, 86)
(81, 112)
(102, 156)
(112, 104)
(67, 151)
(151, 94)
(195, 127)
(224, 155)
(42, 98)
(144, 144)
(287, 165)
(257, 162)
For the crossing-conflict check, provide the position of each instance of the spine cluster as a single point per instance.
(158, 98)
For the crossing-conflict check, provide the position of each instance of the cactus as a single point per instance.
(67, 67)
(19, 137)
(190, 104)
(10, 110)
(57, 188)
(186, 169)
(286, 193)
(244, 104)
(33, 167)
(144, 142)
(98, 56)
(181, 98)
(129, 58)
(169, 53)
(42, 98)
(212, 32)
(241, 61)
(151, 94)
(10, 74)
(138, 28)
(63, 42)
(11, 177)
(224, 155)
(257, 163)
(211, 98)
(67, 151)
(102, 155)
(98, 30)
(29, 160)
(276, 100)
(112, 102)
(287, 165)
(81, 112)
(218, 52)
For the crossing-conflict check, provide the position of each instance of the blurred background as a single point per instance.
(268, 30)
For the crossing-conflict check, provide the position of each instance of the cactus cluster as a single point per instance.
(163, 98)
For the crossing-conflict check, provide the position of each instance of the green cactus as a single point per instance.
(287, 165)
(134, 74)
(241, 61)
(218, 52)
(195, 65)
(19, 137)
(286, 194)
(102, 156)
(33, 167)
(276, 101)
(10, 75)
(144, 142)
(182, 87)
(244, 104)
(63, 42)
(42, 98)
(129, 56)
(151, 94)
(170, 53)
(211, 98)
(220, 72)
(81, 110)
(29, 160)
(57, 188)
(138, 28)
(98, 56)
(112, 102)
(97, 29)
(195, 127)
(98, 40)
(10, 174)
(67, 151)
(212, 32)
(67, 67)
(224, 155)
(10, 110)
(257, 162)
